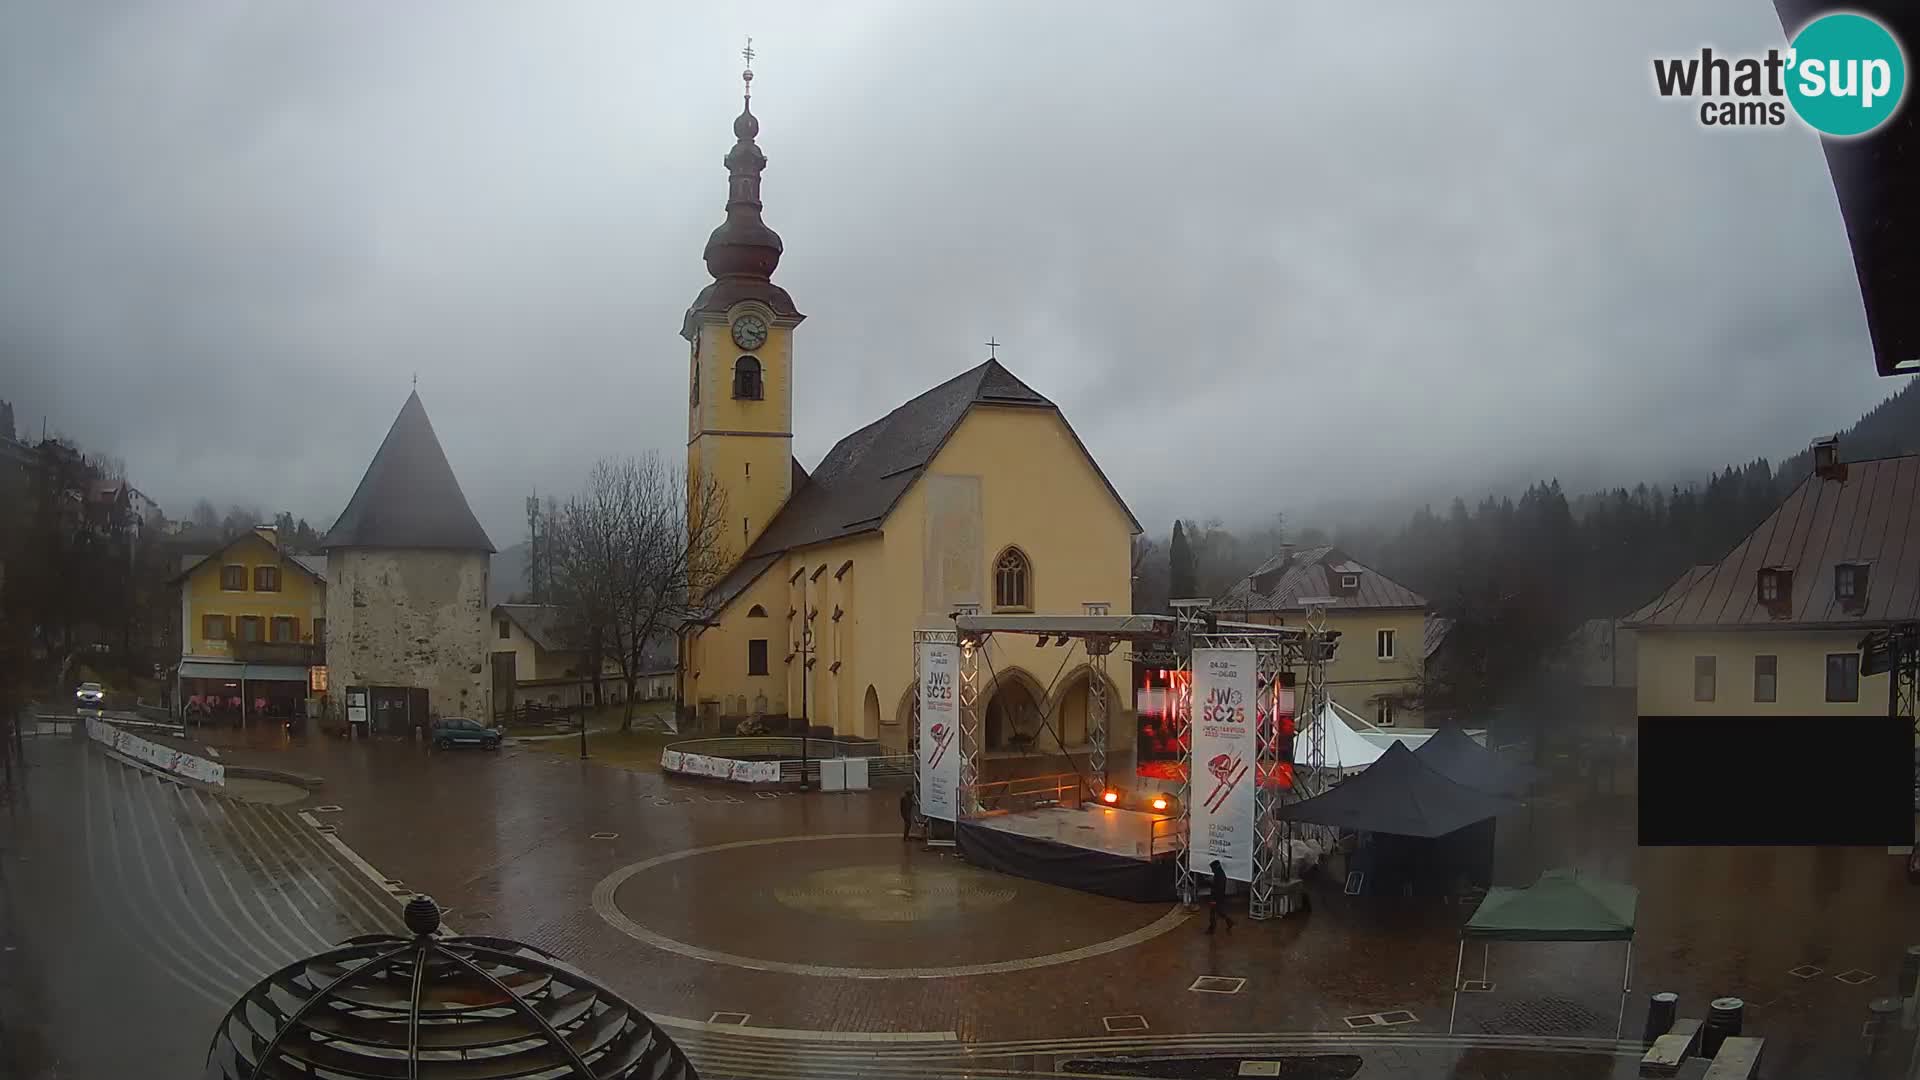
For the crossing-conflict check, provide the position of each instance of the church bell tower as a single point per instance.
(740, 371)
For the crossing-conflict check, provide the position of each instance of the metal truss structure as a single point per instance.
(1295, 654)
(1098, 708)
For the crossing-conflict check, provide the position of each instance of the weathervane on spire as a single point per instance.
(747, 75)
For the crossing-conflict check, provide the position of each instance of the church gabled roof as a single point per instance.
(409, 497)
(865, 474)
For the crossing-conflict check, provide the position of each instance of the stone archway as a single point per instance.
(1071, 710)
(1012, 712)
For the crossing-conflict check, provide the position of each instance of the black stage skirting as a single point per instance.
(1118, 876)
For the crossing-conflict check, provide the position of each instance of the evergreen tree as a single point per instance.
(1183, 572)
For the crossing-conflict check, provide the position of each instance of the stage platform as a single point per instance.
(1097, 849)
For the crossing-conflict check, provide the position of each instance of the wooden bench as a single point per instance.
(1737, 1059)
(1671, 1050)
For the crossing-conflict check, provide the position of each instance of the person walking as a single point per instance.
(1217, 906)
(906, 814)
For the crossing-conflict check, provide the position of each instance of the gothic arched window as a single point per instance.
(746, 378)
(756, 612)
(1012, 581)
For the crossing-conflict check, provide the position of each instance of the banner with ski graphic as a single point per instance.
(939, 729)
(1221, 780)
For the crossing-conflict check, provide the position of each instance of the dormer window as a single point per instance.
(1826, 458)
(1349, 581)
(746, 379)
(1776, 585)
(1850, 583)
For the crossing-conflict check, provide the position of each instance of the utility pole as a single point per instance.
(533, 549)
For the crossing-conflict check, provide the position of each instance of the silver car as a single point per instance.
(89, 696)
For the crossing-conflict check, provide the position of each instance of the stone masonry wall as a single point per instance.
(407, 617)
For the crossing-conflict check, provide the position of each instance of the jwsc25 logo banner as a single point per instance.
(939, 730)
(1223, 762)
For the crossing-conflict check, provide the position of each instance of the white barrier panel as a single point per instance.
(756, 772)
(165, 758)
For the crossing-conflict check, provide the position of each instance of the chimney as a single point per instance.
(269, 533)
(1826, 459)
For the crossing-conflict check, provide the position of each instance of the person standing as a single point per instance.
(1217, 906)
(906, 814)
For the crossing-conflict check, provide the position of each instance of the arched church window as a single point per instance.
(1012, 581)
(756, 612)
(746, 378)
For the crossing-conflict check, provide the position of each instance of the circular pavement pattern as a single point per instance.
(872, 893)
(940, 900)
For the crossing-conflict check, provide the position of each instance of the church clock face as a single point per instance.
(749, 332)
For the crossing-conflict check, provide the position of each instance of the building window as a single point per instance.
(746, 379)
(1383, 713)
(233, 578)
(249, 628)
(1349, 581)
(1703, 678)
(266, 579)
(506, 631)
(1012, 581)
(1766, 678)
(756, 612)
(1096, 609)
(1383, 644)
(1850, 583)
(213, 627)
(757, 656)
(1775, 585)
(320, 637)
(285, 630)
(1843, 676)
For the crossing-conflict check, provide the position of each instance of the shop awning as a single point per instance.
(234, 670)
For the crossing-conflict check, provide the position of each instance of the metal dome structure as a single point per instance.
(394, 1008)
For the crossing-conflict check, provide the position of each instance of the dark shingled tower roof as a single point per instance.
(409, 497)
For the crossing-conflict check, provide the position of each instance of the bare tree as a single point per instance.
(628, 554)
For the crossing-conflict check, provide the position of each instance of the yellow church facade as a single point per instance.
(976, 496)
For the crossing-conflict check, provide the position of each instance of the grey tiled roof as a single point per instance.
(409, 497)
(866, 473)
(315, 564)
(1280, 583)
(1438, 627)
(1872, 516)
(545, 624)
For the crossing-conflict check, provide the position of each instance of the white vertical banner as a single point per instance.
(1222, 773)
(939, 729)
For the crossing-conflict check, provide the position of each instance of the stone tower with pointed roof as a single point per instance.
(407, 566)
(975, 494)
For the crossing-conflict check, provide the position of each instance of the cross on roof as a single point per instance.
(993, 349)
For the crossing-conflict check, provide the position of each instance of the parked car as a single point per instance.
(452, 731)
(90, 695)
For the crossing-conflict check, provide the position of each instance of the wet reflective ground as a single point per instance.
(755, 894)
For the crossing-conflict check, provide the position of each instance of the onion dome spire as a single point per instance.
(743, 246)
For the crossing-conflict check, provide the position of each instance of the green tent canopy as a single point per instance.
(1563, 905)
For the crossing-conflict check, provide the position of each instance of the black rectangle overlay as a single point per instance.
(1714, 781)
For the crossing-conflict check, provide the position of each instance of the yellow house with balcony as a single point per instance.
(252, 630)
(974, 496)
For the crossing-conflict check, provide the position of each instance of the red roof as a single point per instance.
(1870, 517)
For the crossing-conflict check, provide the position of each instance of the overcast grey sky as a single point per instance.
(1261, 254)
